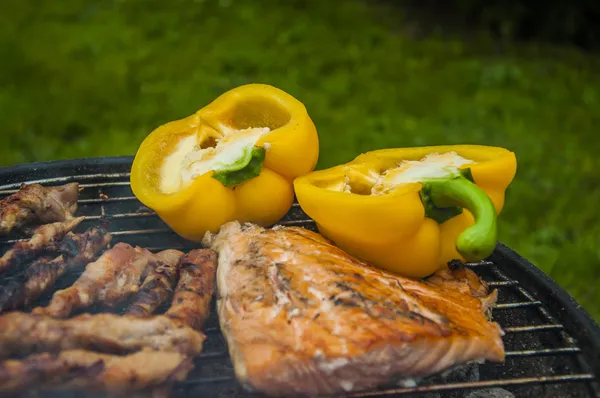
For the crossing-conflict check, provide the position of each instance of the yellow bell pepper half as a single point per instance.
(234, 159)
(412, 210)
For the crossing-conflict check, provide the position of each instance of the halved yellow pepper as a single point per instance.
(234, 159)
(426, 218)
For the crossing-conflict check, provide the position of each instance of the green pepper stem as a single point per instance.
(248, 166)
(479, 240)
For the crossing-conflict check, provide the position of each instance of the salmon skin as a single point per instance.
(302, 317)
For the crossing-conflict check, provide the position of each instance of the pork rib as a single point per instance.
(45, 238)
(41, 275)
(191, 303)
(35, 202)
(25, 333)
(108, 280)
(91, 371)
(158, 286)
(303, 317)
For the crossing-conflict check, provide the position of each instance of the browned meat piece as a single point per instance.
(23, 333)
(108, 280)
(37, 203)
(191, 302)
(303, 317)
(13, 293)
(45, 238)
(41, 275)
(158, 286)
(465, 280)
(90, 371)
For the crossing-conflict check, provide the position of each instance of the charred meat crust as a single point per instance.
(191, 302)
(45, 239)
(41, 275)
(159, 284)
(21, 289)
(112, 278)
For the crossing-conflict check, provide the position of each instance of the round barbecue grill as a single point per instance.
(552, 345)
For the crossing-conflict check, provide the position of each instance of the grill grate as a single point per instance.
(543, 358)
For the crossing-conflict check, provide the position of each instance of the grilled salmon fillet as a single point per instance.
(302, 317)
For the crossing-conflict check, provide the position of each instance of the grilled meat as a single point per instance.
(45, 238)
(108, 280)
(25, 333)
(303, 317)
(466, 281)
(191, 302)
(37, 203)
(158, 286)
(79, 369)
(40, 276)
(13, 294)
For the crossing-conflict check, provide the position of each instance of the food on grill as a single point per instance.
(79, 369)
(463, 278)
(179, 329)
(411, 210)
(25, 333)
(193, 295)
(159, 284)
(109, 280)
(40, 276)
(303, 317)
(35, 202)
(252, 139)
(46, 238)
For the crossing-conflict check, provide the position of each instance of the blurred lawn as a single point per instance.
(92, 78)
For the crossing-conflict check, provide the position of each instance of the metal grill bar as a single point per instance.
(206, 380)
(547, 351)
(213, 355)
(521, 304)
(535, 328)
(296, 222)
(479, 384)
(123, 215)
(501, 275)
(480, 264)
(149, 231)
(100, 200)
(106, 184)
(502, 283)
(12, 188)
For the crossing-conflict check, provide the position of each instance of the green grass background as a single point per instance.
(92, 78)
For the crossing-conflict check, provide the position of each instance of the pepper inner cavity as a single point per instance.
(381, 182)
(196, 155)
